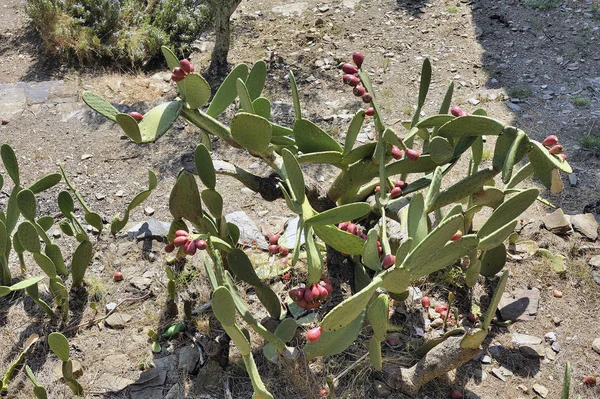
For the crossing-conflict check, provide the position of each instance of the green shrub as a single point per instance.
(128, 32)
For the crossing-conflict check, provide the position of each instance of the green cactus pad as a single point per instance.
(21, 285)
(45, 263)
(293, 173)
(286, 330)
(256, 79)
(522, 174)
(295, 97)
(260, 392)
(353, 131)
(555, 160)
(340, 214)
(471, 125)
(251, 131)
(45, 183)
(493, 261)
(95, 220)
(262, 107)
(130, 127)
(566, 390)
(65, 204)
(227, 91)
(346, 311)
(425, 81)
(509, 210)
(375, 353)
(340, 240)
(370, 255)
(403, 250)
(197, 90)
(224, 306)
(213, 201)
(313, 257)
(417, 219)
(59, 345)
(28, 237)
(184, 201)
(434, 121)
(270, 300)
(502, 147)
(326, 157)
(488, 196)
(45, 222)
(422, 165)
(446, 256)
(242, 267)
(33, 292)
(517, 151)
(491, 311)
(332, 343)
(497, 237)
(158, 120)
(396, 280)
(434, 188)
(172, 63)
(463, 188)
(100, 105)
(9, 159)
(81, 258)
(441, 150)
(311, 138)
(244, 96)
(361, 152)
(378, 314)
(26, 204)
(204, 166)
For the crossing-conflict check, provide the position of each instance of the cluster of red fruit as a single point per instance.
(275, 248)
(183, 239)
(399, 185)
(551, 142)
(351, 79)
(388, 260)
(311, 297)
(180, 72)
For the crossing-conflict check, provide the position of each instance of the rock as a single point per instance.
(594, 262)
(109, 382)
(250, 235)
(189, 358)
(119, 193)
(524, 339)
(117, 320)
(596, 345)
(540, 390)
(86, 156)
(295, 8)
(77, 370)
(141, 283)
(209, 380)
(479, 374)
(497, 373)
(486, 359)
(556, 320)
(288, 238)
(586, 224)
(558, 294)
(437, 323)
(596, 277)
(167, 363)
(550, 354)
(532, 351)
(513, 107)
(176, 392)
(151, 228)
(56, 233)
(149, 385)
(523, 388)
(148, 211)
(496, 350)
(520, 305)
(502, 372)
(556, 347)
(556, 222)
(572, 179)
(382, 390)
(551, 336)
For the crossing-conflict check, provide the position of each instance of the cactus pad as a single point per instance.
(311, 138)
(59, 345)
(197, 90)
(471, 125)
(227, 91)
(251, 131)
(100, 105)
(332, 343)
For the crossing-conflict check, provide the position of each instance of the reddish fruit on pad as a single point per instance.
(557, 149)
(284, 251)
(457, 236)
(178, 74)
(396, 152)
(286, 277)
(274, 248)
(201, 245)
(349, 69)
(388, 261)
(550, 141)
(296, 294)
(412, 155)
(181, 233)
(425, 301)
(440, 308)
(396, 192)
(351, 80)
(186, 65)
(136, 115)
(359, 91)
(456, 110)
(343, 226)
(314, 334)
(358, 58)
(180, 241)
(274, 239)
(367, 98)
(169, 248)
(370, 111)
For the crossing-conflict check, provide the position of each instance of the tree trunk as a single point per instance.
(222, 10)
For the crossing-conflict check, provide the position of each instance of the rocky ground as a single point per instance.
(536, 68)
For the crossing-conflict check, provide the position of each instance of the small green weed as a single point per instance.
(452, 9)
(590, 142)
(580, 101)
(519, 91)
(542, 4)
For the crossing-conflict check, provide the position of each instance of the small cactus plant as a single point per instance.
(60, 346)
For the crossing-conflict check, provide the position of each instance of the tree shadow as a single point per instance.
(412, 7)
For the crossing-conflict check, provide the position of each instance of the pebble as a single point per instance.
(486, 359)
(540, 390)
(86, 156)
(556, 347)
(119, 193)
(551, 336)
(117, 320)
(558, 294)
(100, 196)
(556, 320)
(596, 345)
(56, 233)
(148, 211)
(524, 339)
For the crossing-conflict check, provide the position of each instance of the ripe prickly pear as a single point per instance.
(456, 110)
(180, 241)
(118, 276)
(169, 248)
(190, 247)
(314, 334)
(178, 74)
(349, 69)
(181, 233)
(186, 65)
(287, 276)
(557, 149)
(284, 251)
(377, 189)
(440, 308)
(358, 58)
(472, 317)
(388, 261)
(274, 249)
(201, 245)
(352, 228)
(456, 394)
(327, 284)
(296, 294)
(323, 293)
(563, 156)
(367, 98)
(396, 152)
(343, 226)
(396, 192)
(274, 239)
(315, 292)
(370, 111)
(136, 115)
(550, 141)
(351, 80)
(412, 155)
(308, 295)
(445, 313)
(400, 183)
(359, 91)
(302, 303)
(324, 392)
(425, 301)
(589, 380)
(457, 236)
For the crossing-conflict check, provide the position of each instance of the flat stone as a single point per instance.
(540, 390)
(555, 347)
(524, 339)
(176, 392)
(250, 234)
(596, 345)
(596, 277)
(141, 283)
(520, 305)
(486, 359)
(551, 336)
(572, 179)
(57, 370)
(151, 228)
(496, 350)
(288, 238)
(111, 382)
(556, 222)
(550, 354)
(188, 359)
(586, 224)
(167, 363)
(117, 320)
(149, 385)
(532, 351)
(382, 390)
(148, 211)
(498, 374)
(594, 262)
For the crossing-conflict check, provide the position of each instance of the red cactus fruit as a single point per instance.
(201, 245)
(308, 295)
(555, 150)
(358, 58)
(118, 276)
(296, 294)
(181, 233)
(396, 152)
(457, 236)
(352, 228)
(190, 247)
(349, 69)
(180, 241)
(274, 249)
(324, 392)
(359, 91)
(351, 80)
(443, 314)
(286, 276)
(136, 115)
(388, 261)
(178, 74)
(362, 235)
(4, 121)
(314, 334)
(302, 303)
(441, 307)
(550, 141)
(456, 394)
(315, 292)
(186, 65)
(323, 293)
(400, 183)
(367, 98)
(274, 239)
(327, 284)
(396, 192)
(412, 155)
(563, 156)
(425, 301)
(343, 226)
(169, 248)
(589, 380)
(377, 189)
(456, 110)
(284, 251)
(370, 111)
